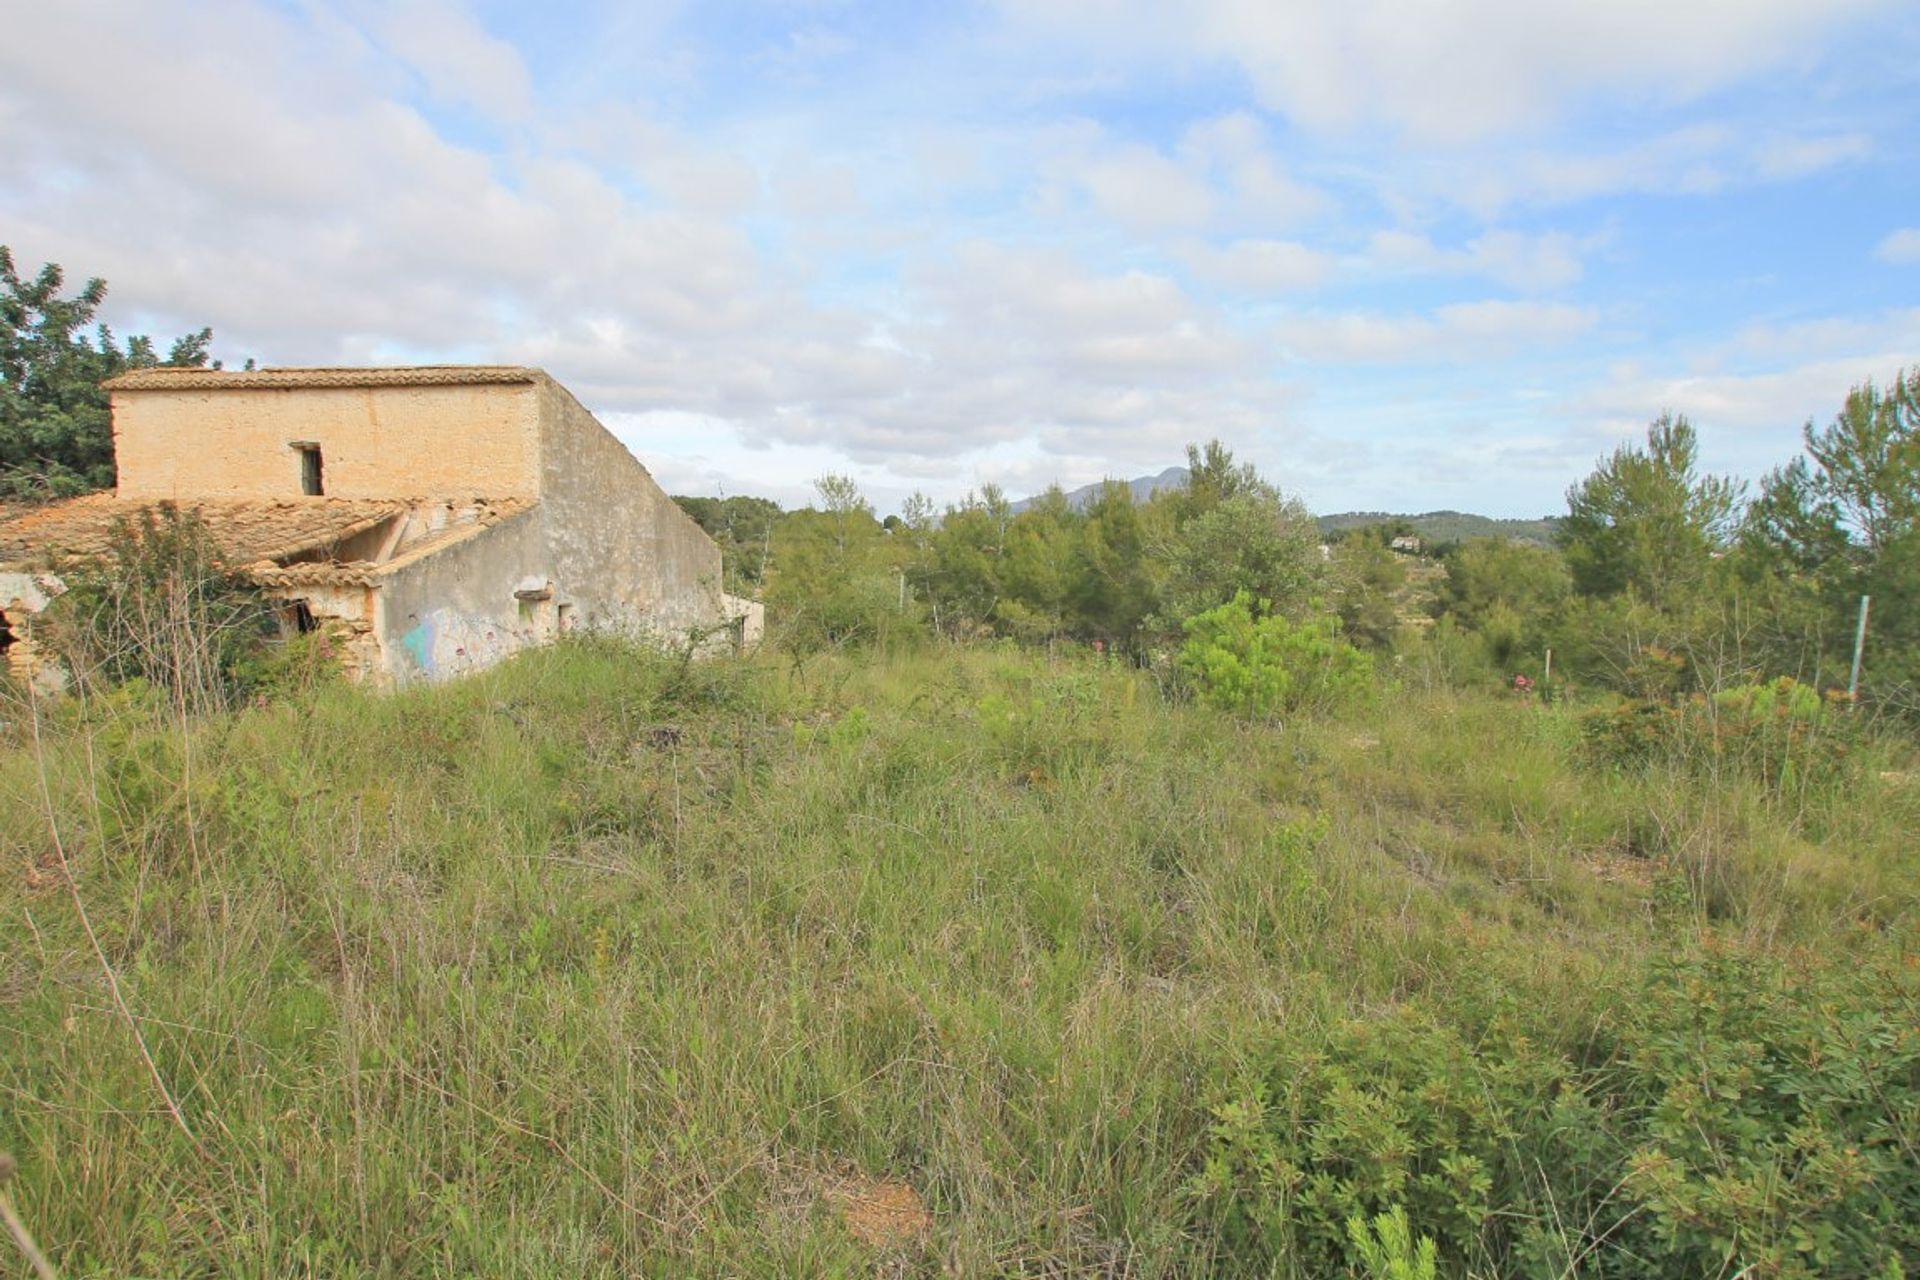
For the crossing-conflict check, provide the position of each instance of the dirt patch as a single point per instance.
(880, 1214)
(1635, 873)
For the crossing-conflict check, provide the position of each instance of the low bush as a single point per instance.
(1244, 659)
(1782, 733)
(1749, 1115)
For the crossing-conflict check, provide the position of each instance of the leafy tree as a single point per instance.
(1646, 522)
(1843, 520)
(1511, 593)
(1254, 541)
(1213, 477)
(1366, 578)
(968, 560)
(1038, 571)
(1113, 591)
(832, 578)
(743, 528)
(56, 432)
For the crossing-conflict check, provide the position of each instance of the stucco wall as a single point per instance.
(624, 555)
(23, 595)
(453, 610)
(375, 442)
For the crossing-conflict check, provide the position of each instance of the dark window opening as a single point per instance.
(297, 619)
(311, 480)
(6, 634)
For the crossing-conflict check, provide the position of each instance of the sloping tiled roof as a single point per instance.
(245, 529)
(364, 573)
(438, 375)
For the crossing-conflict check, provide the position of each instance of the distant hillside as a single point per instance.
(1143, 487)
(1450, 526)
(1433, 526)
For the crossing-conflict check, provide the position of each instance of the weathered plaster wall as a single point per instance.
(375, 442)
(623, 553)
(348, 614)
(453, 610)
(22, 596)
(752, 617)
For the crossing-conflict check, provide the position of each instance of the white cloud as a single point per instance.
(1236, 148)
(1456, 331)
(1461, 71)
(1140, 188)
(1222, 173)
(894, 281)
(1694, 160)
(1257, 266)
(1526, 262)
(1786, 158)
(1824, 337)
(460, 62)
(1902, 247)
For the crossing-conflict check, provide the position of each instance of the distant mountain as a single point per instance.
(1143, 487)
(1450, 526)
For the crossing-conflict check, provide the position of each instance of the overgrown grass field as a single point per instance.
(599, 965)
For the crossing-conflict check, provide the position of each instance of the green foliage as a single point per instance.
(1388, 1249)
(1253, 542)
(1645, 522)
(1510, 593)
(1247, 660)
(1746, 1115)
(1113, 588)
(743, 528)
(1367, 578)
(654, 961)
(1843, 521)
(1440, 529)
(1779, 1116)
(1781, 733)
(833, 577)
(162, 607)
(56, 439)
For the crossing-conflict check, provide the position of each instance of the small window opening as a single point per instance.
(298, 618)
(312, 481)
(566, 618)
(6, 634)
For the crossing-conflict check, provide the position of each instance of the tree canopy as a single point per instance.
(56, 431)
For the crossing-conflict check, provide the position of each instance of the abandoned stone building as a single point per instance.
(434, 519)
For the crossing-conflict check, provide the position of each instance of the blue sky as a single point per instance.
(1401, 255)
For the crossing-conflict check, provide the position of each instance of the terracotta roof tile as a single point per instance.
(246, 529)
(165, 379)
(364, 573)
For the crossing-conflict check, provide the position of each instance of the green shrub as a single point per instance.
(1751, 1114)
(163, 606)
(1389, 1250)
(1776, 1115)
(1405, 1112)
(1780, 733)
(1246, 660)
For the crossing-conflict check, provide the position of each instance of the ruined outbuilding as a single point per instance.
(432, 519)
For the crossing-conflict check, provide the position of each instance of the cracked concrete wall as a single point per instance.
(375, 442)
